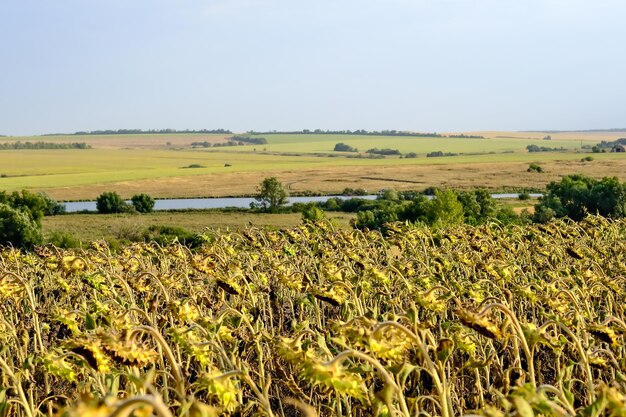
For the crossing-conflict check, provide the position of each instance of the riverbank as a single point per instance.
(237, 202)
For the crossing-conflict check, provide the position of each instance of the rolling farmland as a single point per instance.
(158, 164)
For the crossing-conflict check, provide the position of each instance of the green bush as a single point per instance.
(52, 207)
(18, 228)
(312, 213)
(576, 196)
(63, 240)
(165, 235)
(533, 167)
(30, 203)
(143, 203)
(110, 202)
(342, 147)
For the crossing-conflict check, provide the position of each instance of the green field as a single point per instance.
(156, 164)
(405, 144)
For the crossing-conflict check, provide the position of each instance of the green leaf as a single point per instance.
(90, 322)
(523, 408)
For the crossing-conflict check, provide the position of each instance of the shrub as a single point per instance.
(332, 204)
(110, 202)
(63, 240)
(533, 167)
(143, 203)
(524, 196)
(312, 213)
(32, 204)
(411, 155)
(342, 147)
(52, 207)
(165, 235)
(587, 159)
(18, 228)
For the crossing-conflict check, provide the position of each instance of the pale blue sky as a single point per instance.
(424, 65)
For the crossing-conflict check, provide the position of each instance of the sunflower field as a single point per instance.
(313, 321)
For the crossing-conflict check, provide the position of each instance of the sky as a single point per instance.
(419, 65)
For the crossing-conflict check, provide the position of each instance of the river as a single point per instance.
(226, 202)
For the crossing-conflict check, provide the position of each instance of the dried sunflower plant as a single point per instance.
(490, 320)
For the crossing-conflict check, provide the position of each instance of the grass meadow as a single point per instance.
(87, 228)
(156, 164)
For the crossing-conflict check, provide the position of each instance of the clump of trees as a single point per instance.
(110, 202)
(445, 208)
(20, 217)
(437, 154)
(342, 147)
(384, 151)
(245, 139)
(536, 148)
(575, 196)
(604, 145)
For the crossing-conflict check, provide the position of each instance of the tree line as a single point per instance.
(140, 131)
(43, 145)
(574, 197)
(363, 132)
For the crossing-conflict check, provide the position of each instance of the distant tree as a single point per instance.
(18, 228)
(533, 167)
(110, 202)
(272, 195)
(143, 203)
